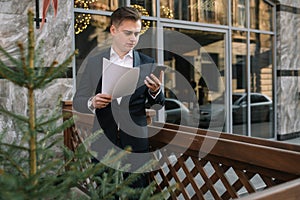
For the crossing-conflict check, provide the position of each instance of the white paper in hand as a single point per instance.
(118, 80)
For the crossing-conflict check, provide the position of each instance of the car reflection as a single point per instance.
(214, 114)
(176, 112)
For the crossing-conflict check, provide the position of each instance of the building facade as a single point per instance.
(233, 62)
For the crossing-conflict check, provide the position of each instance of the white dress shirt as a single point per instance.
(126, 61)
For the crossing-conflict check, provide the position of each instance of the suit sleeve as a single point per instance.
(85, 88)
(159, 99)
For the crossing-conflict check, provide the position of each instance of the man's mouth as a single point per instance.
(130, 44)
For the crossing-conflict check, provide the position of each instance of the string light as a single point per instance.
(166, 12)
(87, 1)
(144, 12)
(82, 20)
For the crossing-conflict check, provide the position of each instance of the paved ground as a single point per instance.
(293, 141)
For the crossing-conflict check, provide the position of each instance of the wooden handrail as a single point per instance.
(289, 190)
(241, 138)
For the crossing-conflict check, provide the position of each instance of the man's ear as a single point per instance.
(113, 29)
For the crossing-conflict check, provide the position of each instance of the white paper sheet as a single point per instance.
(118, 80)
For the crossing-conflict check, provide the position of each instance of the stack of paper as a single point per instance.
(118, 80)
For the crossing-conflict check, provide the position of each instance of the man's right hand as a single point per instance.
(101, 100)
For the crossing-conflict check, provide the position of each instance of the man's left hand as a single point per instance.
(153, 83)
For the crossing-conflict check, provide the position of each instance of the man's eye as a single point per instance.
(136, 34)
(128, 33)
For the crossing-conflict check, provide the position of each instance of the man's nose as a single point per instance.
(133, 37)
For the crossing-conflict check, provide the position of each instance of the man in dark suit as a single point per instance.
(123, 120)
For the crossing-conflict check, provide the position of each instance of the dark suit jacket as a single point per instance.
(130, 115)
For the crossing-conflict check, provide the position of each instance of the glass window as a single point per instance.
(148, 39)
(171, 105)
(252, 55)
(94, 34)
(239, 82)
(106, 5)
(242, 13)
(239, 13)
(261, 82)
(205, 11)
(146, 7)
(198, 57)
(261, 17)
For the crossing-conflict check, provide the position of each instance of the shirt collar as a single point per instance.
(115, 55)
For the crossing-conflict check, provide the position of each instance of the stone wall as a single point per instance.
(288, 68)
(56, 36)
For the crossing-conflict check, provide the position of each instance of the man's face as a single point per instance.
(125, 36)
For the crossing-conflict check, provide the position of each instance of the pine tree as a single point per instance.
(30, 168)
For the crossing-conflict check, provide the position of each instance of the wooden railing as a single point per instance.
(211, 165)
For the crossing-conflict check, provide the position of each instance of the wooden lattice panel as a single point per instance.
(203, 179)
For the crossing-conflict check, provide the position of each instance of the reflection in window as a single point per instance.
(261, 17)
(206, 11)
(252, 53)
(147, 6)
(261, 82)
(240, 71)
(261, 64)
(144, 12)
(171, 105)
(242, 13)
(239, 13)
(239, 61)
(107, 5)
(239, 83)
(96, 34)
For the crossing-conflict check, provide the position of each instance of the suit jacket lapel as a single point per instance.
(136, 59)
(104, 54)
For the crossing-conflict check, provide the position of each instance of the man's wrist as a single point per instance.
(90, 104)
(154, 94)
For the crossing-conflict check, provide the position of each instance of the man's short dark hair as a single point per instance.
(124, 13)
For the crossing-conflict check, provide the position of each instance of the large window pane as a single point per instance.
(94, 34)
(251, 68)
(205, 11)
(107, 5)
(239, 13)
(261, 17)
(261, 85)
(199, 56)
(148, 40)
(146, 7)
(239, 82)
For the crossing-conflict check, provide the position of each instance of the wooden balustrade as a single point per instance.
(212, 165)
(234, 167)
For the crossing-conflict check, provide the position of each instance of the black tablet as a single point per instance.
(158, 69)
